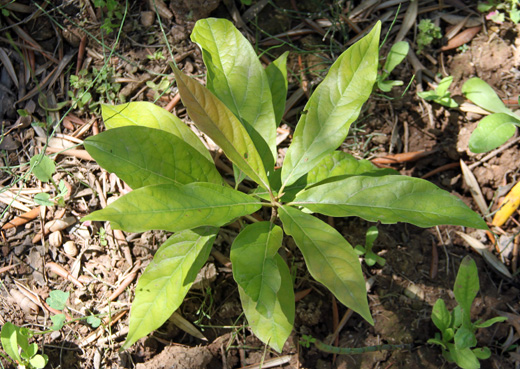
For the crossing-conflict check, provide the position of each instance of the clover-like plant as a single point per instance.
(496, 128)
(440, 95)
(177, 188)
(15, 342)
(457, 331)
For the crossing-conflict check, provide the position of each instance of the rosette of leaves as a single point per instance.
(177, 188)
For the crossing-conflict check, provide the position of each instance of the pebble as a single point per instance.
(70, 248)
(55, 239)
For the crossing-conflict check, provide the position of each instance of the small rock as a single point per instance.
(55, 239)
(147, 18)
(70, 248)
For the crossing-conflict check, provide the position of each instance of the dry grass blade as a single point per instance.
(409, 20)
(186, 326)
(474, 188)
(491, 259)
(8, 66)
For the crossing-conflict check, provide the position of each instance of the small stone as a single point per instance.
(147, 18)
(70, 248)
(55, 239)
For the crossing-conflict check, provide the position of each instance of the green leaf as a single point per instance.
(58, 321)
(436, 341)
(330, 259)
(9, 339)
(175, 208)
(237, 78)
(43, 167)
(276, 329)
(491, 132)
(43, 199)
(147, 114)
(387, 85)
(57, 299)
(94, 321)
(39, 361)
(167, 279)
(396, 55)
(466, 286)
(482, 353)
(277, 76)
(490, 322)
(371, 236)
(254, 265)
(332, 167)
(480, 93)
(464, 338)
(333, 106)
(31, 350)
(444, 84)
(144, 156)
(389, 199)
(465, 358)
(441, 316)
(214, 119)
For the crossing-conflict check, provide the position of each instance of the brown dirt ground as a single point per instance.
(421, 264)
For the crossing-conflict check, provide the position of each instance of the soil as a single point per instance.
(421, 264)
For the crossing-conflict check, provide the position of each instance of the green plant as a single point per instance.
(307, 340)
(113, 14)
(158, 55)
(457, 337)
(428, 32)
(101, 82)
(497, 9)
(396, 55)
(496, 128)
(177, 188)
(440, 95)
(15, 342)
(57, 300)
(371, 258)
(158, 88)
(43, 168)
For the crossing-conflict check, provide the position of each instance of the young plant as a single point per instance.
(497, 10)
(43, 168)
(428, 32)
(371, 258)
(457, 337)
(496, 128)
(15, 342)
(396, 55)
(440, 95)
(177, 188)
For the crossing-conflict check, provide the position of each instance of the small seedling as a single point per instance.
(496, 128)
(15, 342)
(428, 32)
(176, 186)
(43, 168)
(371, 258)
(113, 14)
(497, 10)
(440, 95)
(158, 55)
(57, 300)
(307, 340)
(396, 55)
(457, 332)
